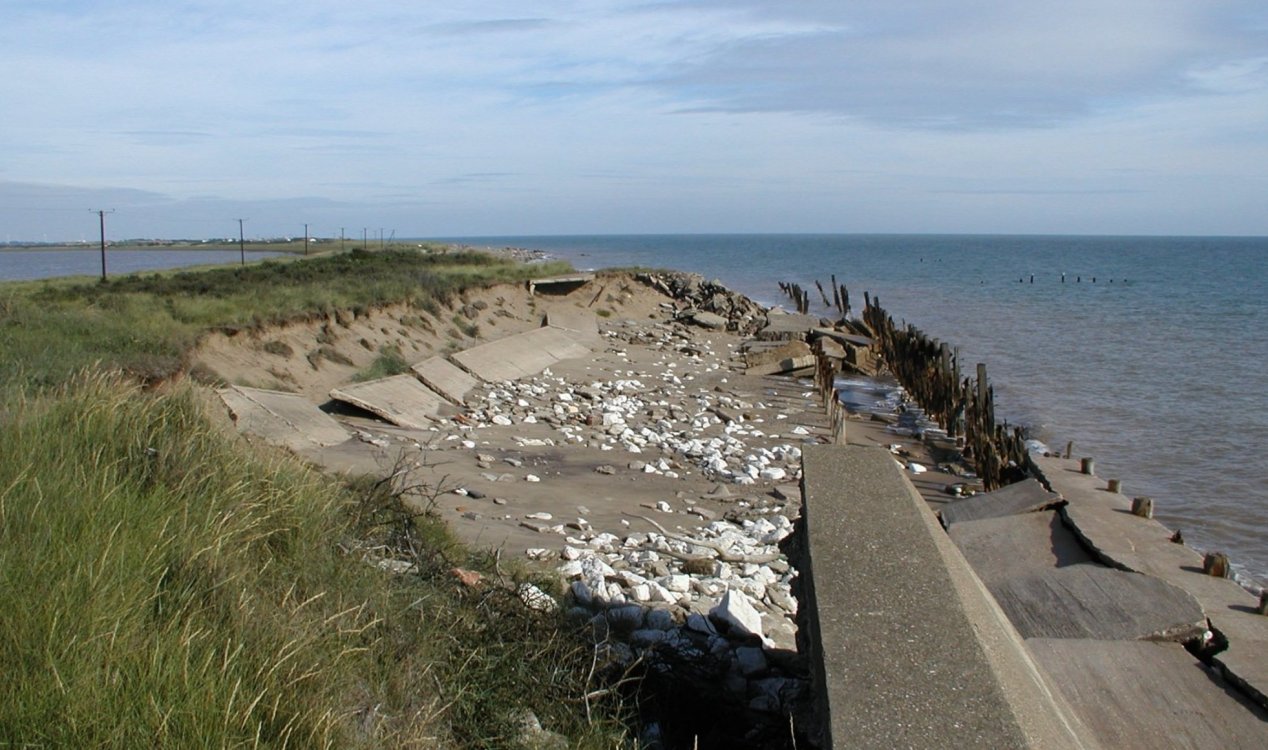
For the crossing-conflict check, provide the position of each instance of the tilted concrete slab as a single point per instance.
(583, 323)
(787, 327)
(521, 355)
(1138, 695)
(400, 399)
(909, 649)
(1001, 548)
(445, 378)
(1020, 497)
(559, 284)
(1092, 601)
(1103, 520)
(280, 418)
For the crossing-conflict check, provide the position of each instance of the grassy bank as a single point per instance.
(164, 585)
(145, 324)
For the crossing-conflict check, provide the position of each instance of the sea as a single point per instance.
(26, 265)
(1149, 353)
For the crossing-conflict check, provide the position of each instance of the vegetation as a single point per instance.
(164, 585)
(145, 324)
(389, 362)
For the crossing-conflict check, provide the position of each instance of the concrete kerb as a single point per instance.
(909, 647)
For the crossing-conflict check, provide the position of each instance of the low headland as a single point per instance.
(432, 497)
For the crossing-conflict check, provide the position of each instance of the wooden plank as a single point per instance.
(1021, 497)
(1136, 694)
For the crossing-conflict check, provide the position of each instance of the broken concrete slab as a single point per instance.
(281, 418)
(583, 323)
(708, 320)
(1104, 522)
(1011, 546)
(1146, 696)
(843, 337)
(1021, 497)
(399, 399)
(787, 327)
(522, 354)
(764, 355)
(790, 364)
(445, 378)
(559, 284)
(1091, 601)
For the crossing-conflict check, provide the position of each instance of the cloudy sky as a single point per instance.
(606, 116)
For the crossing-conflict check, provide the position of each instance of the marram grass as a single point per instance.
(162, 585)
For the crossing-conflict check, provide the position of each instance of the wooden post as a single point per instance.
(1114, 485)
(1087, 466)
(1216, 564)
(1263, 602)
(1069, 449)
(1143, 507)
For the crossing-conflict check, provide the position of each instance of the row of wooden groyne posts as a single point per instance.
(929, 371)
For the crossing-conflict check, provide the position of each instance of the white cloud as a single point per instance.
(634, 116)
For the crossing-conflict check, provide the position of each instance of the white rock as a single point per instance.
(916, 468)
(572, 553)
(537, 553)
(532, 478)
(773, 474)
(539, 516)
(641, 592)
(737, 610)
(679, 583)
(503, 420)
(535, 598)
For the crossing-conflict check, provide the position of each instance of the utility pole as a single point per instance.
(380, 238)
(241, 246)
(101, 216)
(364, 246)
(341, 239)
(305, 239)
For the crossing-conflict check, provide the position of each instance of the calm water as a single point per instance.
(1158, 369)
(24, 265)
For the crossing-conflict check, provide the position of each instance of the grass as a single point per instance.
(389, 362)
(166, 585)
(145, 324)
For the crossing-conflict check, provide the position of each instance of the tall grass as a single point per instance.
(164, 584)
(164, 587)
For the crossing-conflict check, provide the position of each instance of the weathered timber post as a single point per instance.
(1087, 466)
(1216, 564)
(1143, 507)
(1114, 485)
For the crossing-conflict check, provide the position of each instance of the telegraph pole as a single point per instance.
(341, 239)
(364, 246)
(101, 216)
(305, 239)
(241, 245)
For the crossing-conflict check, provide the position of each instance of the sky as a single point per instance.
(440, 118)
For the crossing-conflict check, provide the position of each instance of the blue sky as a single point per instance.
(460, 118)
